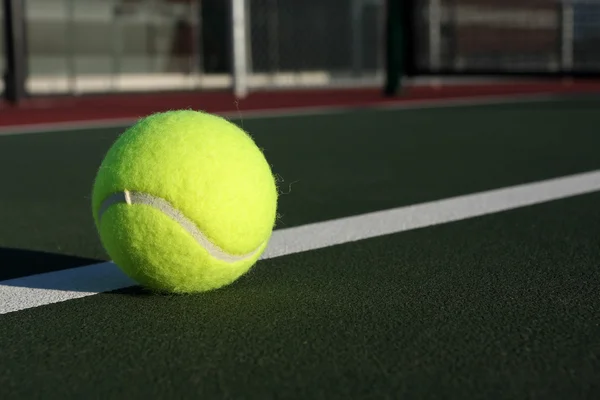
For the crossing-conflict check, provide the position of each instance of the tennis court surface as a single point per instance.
(449, 250)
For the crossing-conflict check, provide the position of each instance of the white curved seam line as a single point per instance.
(162, 205)
(127, 197)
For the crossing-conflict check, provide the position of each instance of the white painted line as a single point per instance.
(351, 229)
(55, 287)
(472, 101)
(38, 290)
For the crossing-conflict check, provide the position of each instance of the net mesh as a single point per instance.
(113, 45)
(342, 39)
(512, 35)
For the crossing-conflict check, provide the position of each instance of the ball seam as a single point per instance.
(131, 198)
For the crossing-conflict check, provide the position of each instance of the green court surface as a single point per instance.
(503, 305)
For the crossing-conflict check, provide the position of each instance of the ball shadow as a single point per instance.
(43, 270)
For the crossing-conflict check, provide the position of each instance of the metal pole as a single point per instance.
(16, 53)
(70, 40)
(395, 47)
(567, 36)
(240, 51)
(435, 34)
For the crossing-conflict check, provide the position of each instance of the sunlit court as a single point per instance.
(286, 199)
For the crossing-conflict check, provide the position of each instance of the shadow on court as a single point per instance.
(42, 270)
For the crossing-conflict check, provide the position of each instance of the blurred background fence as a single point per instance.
(507, 36)
(82, 46)
(128, 45)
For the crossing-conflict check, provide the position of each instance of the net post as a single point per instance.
(395, 47)
(567, 36)
(239, 47)
(435, 39)
(15, 41)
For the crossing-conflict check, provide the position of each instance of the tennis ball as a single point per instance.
(184, 201)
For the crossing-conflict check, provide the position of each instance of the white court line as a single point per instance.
(472, 101)
(38, 290)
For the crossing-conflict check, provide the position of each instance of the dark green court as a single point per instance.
(502, 306)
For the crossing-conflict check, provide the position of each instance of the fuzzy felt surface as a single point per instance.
(209, 170)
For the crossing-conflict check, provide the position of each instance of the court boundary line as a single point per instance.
(55, 287)
(287, 112)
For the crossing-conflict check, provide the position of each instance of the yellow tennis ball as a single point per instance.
(184, 202)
